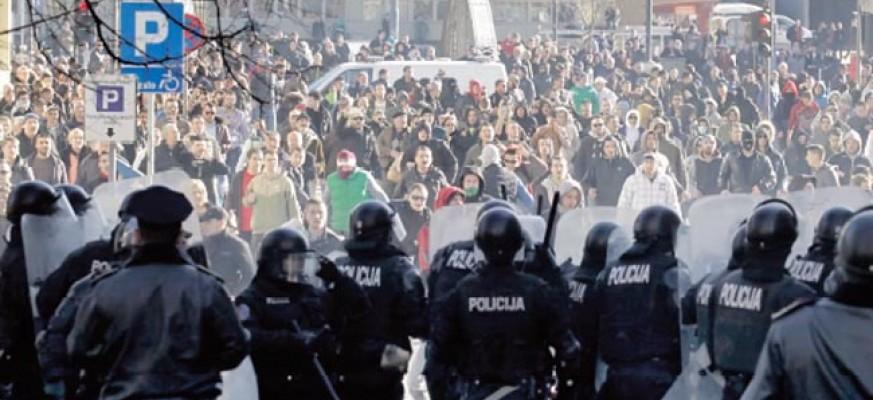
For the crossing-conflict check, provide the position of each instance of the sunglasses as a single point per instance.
(418, 198)
(358, 119)
(632, 118)
(597, 125)
(209, 112)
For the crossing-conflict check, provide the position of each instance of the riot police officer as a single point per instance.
(742, 303)
(79, 199)
(375, 356)
(296, 315)
(814, 267)
(831, 334)
(637, 302)
(493, 327)
(19, 367)
(604, 243)
(159, 326)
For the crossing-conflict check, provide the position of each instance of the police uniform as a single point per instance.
(636, 301)
(293, 324)
(158, 313)
(396, 294)
(831, 334)
(743, 302)
(494, 326)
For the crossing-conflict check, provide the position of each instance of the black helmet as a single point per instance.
(371, 221)
(775, 200)
(597, 244)
(31, 197)
(78, 197)
(499, 237)
(492, 204)
(830, 224)
(738, 247)
(853, 248)
(657, 224)
(279, 243)
(773, 225)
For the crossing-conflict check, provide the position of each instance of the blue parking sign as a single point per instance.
(151, 33)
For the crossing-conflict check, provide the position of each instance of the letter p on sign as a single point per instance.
(110, 99)
(151, 28)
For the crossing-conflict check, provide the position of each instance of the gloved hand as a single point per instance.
(328, 271)
(6, 368)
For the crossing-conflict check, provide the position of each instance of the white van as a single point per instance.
(732, 14)
(463, 71)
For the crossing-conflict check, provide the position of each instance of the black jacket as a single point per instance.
(290, 322)
(230, 258)
(823, 333)
(608, 176)
(96, 255)
(128, 327)
(396, 294)
(206, 171)
(20, 367)
(760, 173)
(443, 157)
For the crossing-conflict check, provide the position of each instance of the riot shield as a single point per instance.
(811, 204)
(712, 221)
(49, 239)
(573, 227)
(456, 223)
(240, 383)
(108, 196)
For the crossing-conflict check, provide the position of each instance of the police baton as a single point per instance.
(539, 204)
(320, 368)
(550, 225)
(503, 192)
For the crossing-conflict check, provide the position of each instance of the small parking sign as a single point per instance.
(110, 108)
(110, 98)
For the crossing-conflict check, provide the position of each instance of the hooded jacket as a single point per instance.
(846, 162)
(480, 196)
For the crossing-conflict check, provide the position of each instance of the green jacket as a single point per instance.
(586, 93)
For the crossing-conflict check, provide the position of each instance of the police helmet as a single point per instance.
(492, 204)
(782, 202)
(372, 220)
(853, 248)
(499, 236)
(657, 224)
(78, 197)
(279, 244)
(31, 197)
(772, 225)
(597, 244)
(830, 224)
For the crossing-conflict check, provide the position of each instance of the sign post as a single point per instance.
(153, 50)
(110, 112)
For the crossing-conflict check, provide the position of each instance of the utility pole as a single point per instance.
(555, 21)
(859, 39)
(395, 19)
(650, 20)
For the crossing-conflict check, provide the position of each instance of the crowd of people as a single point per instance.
(278, 172)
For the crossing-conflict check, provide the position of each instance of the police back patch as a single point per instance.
(634, 274)
(496, 304)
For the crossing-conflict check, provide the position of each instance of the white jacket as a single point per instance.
(640, 192)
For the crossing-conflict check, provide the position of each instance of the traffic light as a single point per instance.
(763, 29)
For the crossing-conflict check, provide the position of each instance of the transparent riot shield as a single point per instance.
(49, 239)
(811, 204)
(240, 383)
(456, 223)
(712, 221)
(109, 196)
(573, 227)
